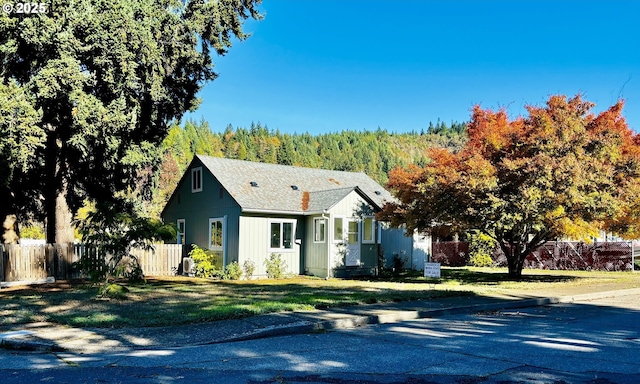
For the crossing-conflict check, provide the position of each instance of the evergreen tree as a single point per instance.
(106, 77)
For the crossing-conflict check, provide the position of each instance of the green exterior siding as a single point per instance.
(196, 208)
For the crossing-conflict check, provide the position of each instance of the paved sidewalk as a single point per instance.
(53, 337)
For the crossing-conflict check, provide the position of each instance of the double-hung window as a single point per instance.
(319, 230)
(281, 235)
(338, 229)
(196, 180)
(368, 230)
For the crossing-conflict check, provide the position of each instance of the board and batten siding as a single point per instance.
(196, 208)
(254, 240)
(394, 242)
(352, 206)
(316, 253)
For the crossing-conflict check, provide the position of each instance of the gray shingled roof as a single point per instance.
(317, 189)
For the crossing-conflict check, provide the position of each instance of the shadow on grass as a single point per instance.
(178, 300)
(464, 276)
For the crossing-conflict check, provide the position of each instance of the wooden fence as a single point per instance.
(38, 261)
(564, 255)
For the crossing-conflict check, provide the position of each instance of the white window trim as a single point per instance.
(333, 229)
(358, 222)
(198, 171)
(324, 234)
(373, 230)
(293, 235)
(223, 248)
(181, 236)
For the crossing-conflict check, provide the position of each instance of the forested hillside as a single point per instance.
(372, 152)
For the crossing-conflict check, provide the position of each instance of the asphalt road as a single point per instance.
(596, 342)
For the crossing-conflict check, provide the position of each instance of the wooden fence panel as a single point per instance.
(562, 255)
(19, 262)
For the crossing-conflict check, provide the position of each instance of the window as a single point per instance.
(180, 238)
(196, 179)
(281, 235)
(217, 240)
(319, 226)
(368, 230)
(352, 231)
(216, 234)
(338, 232)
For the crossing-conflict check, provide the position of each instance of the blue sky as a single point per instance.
(326, 65)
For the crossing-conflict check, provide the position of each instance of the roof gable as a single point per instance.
(263, 187)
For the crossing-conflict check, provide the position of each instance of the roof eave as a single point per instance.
(280, 212)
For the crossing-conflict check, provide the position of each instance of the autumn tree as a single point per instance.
(559, 172)
(88, 90)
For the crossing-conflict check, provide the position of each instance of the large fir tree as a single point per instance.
(87, 91)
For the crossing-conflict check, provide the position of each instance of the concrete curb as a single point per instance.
(28, 341)
(354, 321)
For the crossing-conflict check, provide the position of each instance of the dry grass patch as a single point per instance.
(176, 300)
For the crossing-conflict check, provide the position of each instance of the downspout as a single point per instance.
(324, 212)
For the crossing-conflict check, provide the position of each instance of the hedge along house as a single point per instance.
(321, 222)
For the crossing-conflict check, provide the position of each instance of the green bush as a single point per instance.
(205, 262)
(249, 267)
(114, 291)
(232, 271)
(480, 248)
(276, 267)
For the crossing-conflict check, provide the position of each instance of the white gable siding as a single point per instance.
(352, 206)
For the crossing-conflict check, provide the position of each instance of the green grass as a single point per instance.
(169, 301)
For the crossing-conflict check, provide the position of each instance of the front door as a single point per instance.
(217, 235)
(353, 243)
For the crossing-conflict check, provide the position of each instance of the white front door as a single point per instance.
(353, 243)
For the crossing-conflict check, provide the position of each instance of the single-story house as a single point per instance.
(321, 222)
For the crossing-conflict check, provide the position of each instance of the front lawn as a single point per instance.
(178, 300)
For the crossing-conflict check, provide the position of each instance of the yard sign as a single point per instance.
(432, 270)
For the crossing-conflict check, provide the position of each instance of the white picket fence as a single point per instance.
(32, 262)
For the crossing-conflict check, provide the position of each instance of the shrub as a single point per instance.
(480, 248)
(276, 267)
(205, 262)
(249, 267)
(232, 271)
(399, 262)
(114, 291)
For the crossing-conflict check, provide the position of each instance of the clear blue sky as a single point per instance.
(331, 65)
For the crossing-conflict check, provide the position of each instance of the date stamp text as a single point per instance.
(25, 8)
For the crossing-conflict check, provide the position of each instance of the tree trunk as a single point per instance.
(9, 231)
(59, 216)
(515, 259)
(59, 219)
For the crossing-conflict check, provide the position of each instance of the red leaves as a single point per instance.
(561, 170)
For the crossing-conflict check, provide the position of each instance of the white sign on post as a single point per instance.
(432, 270)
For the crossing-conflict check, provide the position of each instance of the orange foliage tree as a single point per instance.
(561, 171)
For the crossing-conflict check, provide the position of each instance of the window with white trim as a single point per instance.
(180, 232)
(319, 230)
(196, 180)
(281, 235)
(338, 229)
(217, 235)
(368, 230)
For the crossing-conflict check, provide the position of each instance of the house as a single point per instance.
(321, 222)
